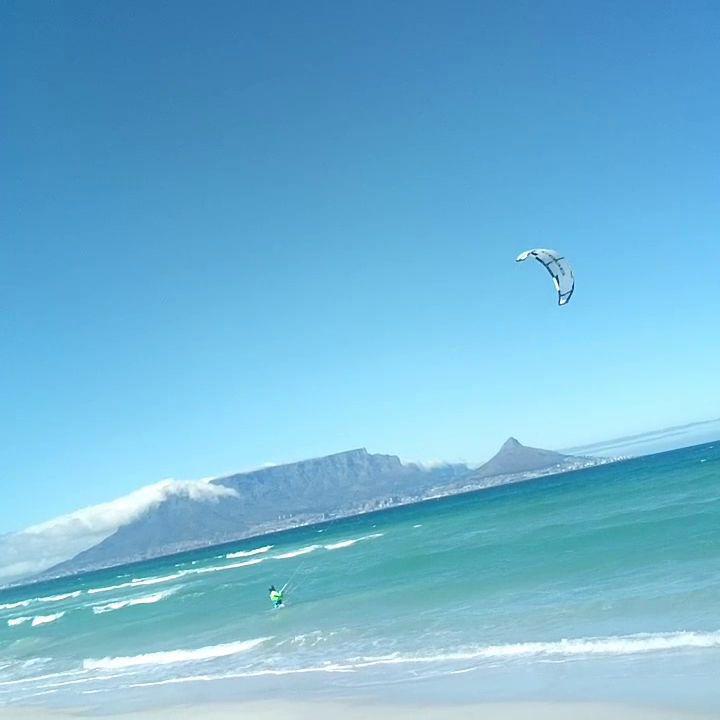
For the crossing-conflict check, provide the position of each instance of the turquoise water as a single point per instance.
(612, 572)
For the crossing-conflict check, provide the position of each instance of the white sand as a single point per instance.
(272, 710)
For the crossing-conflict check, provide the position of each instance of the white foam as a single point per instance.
(37, 678)
(341, 544)
(248, 553)
(140, 582)
(49, 598)
(231, 566)
(17, 621)
(45, 619)
(12, 606)
(155, 580)
(107, 588)
(327, 668)
(297, 553)
(309, 639)
(137, 582)
(58, 598)
(144, 600)
(620, 645)
(169, 657)
(86, 676)
(348, 543)
(614, 645)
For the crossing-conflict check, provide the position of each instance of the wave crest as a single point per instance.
(144, 600)
(169, 657)
(136, 582)
(348, 543)
(13, 622)
(45, 619)
(248, 553)
(296, 553)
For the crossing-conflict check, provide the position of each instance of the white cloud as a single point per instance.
(41, 546)
(434, 464)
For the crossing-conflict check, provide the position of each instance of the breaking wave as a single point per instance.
(297, 553)
(218, 568)
(58, 598)
(18, 621)
(248, 553)
(141, 582)
(169, 657)
(45, 619)
(348, 543)
(341, 544)
(568, 649)
(614, 645)
(13, 605)
(136, 582)
(47, 599)
(144, 600)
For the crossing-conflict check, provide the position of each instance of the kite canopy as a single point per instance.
(559, 269)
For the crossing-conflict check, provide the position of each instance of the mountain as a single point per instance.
(299, 493)
(514, 457)
(263, 500)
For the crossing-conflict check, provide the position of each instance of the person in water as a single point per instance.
(276, 597)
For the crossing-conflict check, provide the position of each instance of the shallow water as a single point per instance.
(608, 572)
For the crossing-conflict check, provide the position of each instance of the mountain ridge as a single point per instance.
(301, 493)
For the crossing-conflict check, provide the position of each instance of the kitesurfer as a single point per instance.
(276, 597)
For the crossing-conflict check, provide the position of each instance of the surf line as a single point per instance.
(311, 549)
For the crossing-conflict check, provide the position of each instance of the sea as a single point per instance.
(599, 584)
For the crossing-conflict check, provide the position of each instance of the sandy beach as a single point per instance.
(274, 710)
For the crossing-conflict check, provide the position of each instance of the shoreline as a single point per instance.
(328, 710)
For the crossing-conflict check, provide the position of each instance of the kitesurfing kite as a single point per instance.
(559, 269)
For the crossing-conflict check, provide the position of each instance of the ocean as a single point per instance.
(597, 584)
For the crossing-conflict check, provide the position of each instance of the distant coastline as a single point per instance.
(490, 483)
(312, 492)
(654, 441)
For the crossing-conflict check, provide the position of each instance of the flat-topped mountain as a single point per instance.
(283, 496)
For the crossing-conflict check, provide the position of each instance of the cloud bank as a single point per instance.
(39, 547)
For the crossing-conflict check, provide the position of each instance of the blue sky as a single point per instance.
(234, 235)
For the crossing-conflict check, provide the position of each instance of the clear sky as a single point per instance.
(240, 233)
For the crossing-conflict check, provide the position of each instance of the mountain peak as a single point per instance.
(514, 457)
(511, 443)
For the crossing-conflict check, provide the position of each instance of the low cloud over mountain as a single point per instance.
(41, 546)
